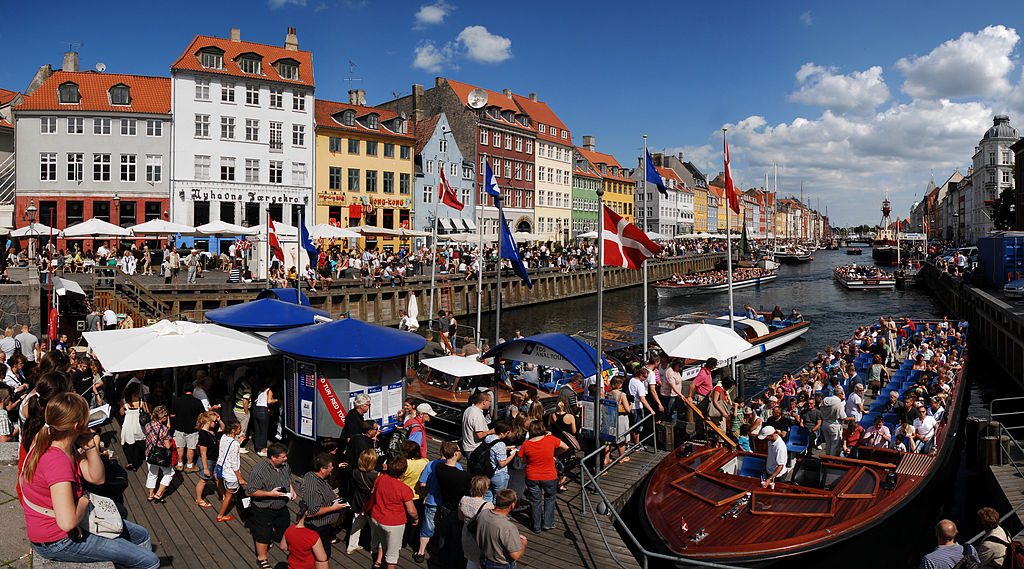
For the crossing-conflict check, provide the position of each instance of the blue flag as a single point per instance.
(511, 252)
(491, 184)
(654, 177)
(307, 243)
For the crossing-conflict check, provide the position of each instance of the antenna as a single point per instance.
(351, 74)
(72, 45)
(397, 94)
(101, 67)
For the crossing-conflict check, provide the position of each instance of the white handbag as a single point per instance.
(102, 518)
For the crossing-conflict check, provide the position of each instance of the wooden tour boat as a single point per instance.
(853, 251)
(854, 277)
(669, 288)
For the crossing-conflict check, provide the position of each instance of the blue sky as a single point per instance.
(852, 98)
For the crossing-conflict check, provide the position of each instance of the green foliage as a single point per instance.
(1003, 217)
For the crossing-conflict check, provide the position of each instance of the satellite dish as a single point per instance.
(477, 98)
(101, 67)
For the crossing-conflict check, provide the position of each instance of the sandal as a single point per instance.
(150, 499)
(225, 518)
(159, 500)
(263, 563)
(624, 459)
(204, 504)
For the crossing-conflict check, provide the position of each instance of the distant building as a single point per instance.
(993, 172)
(437, 149)
(616, 181)
(554, 165)
(655, 211)
(586, 180)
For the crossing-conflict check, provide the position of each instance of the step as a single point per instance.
(42, 563)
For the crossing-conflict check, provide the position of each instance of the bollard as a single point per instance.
(666, 435)
(993, 429)
(972, 436)
(991, 450)
(1004, 452)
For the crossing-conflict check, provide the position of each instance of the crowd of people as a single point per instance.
(859, 272)
(719, 277)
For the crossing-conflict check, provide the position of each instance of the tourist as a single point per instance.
(948, 552)
(416, 424)
(270, 488)
(66, 454)
(366, 439)
(261, 418)
(776, 462)
(305, 547)
(501, 544)
(780, 423)
(671, 389)
(474, 423)
(392, 504)
(993, 544)
(935, 409)
(363, 478)
(208, 425)
(640, 408)
(852, 435)
(832, 430)
(355, 420)
(28, 343)
(562, 425)
(877, 435)
(877, 374)
(8, 344)
(924, 430)
(501, 454)
(322, 504)
(854, 403)
(185, 412)
(242, 401)
(470, 508)
(719, 409)
(32, 410)
(158, 435)
(538, 454)
(229, 477)
(701, 388)
(454, 484)
(622, 421)
(428, 481)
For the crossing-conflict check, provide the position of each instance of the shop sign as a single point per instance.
(400, 203)
(330, 197)
(250, 196)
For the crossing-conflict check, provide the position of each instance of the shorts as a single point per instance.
(212, 465)
(268, 525)
(231, 484)
(186, 440)
(243, 419)
(427, 527)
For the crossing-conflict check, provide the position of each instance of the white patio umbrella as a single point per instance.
(95, 228)
(654, 235)
(224, 229)
(172, 344)
(280, 229)
(458, 366)
(413, 312)
(161, 227)
(371, 230)
(467, 238)
(37, 230)
(702, 341)
(415, 233)
(328, 231)
(587, 235)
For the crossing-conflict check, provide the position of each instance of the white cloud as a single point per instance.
(805, 18)
(428, 57)
(275, 4)
(483, 46)
(430, 14)
(973, 65)
(860, 91)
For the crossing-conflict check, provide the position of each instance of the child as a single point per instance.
(744, 440)
(8, 432)
(737, 416)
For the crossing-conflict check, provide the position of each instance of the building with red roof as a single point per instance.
(8, 99)
(618, 185)
(586, 180)
(554, 164)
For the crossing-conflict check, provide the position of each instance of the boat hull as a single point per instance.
(671, 290)
(886, 255)
(867, 284)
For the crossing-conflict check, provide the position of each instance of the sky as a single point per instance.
(849, 99)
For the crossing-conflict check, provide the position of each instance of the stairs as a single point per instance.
(123, 294)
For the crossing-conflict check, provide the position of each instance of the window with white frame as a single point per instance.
(529, 172)
(276, 170)
(1006, 177)
(252, 130)
(252, 170)
(551, 151)
(154, 167)
(298, 135)
(565, 135)
(47, 125)
(428, 166)
(508, 168)
(565, 178)
(227, 128)
(299, 101)
(373, 122)
(202, 167)
(558, 153)
(101, 167)
(212, 59)
(252, 94)
(483, 136)
(154, 127)
(276, 98)
(467, 173)
(276, 136)
(202, 126)
(227, 92)
(47, 166)
(100, 126)
(465, 195)
(442, 146)
(542, 128)
(551, 174)
(519, 144)
(76, 125)
(250, 65)
(508, 142)
(428, 194)
(128, 164)
(298, 174)
(288, 71)
(529, 147)
(227, 169)
(76, 163)
(453, 169)
(202, 89)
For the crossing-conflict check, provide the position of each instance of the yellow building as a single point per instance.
(700, 210)
(617, 183)
(364, 166)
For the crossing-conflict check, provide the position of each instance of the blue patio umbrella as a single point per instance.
(346, 340)
(265, 314)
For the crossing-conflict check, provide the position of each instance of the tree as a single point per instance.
(1003, 216)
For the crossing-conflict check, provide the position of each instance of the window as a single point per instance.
(465, 195)
(101, 210)
(992, 158)
(298, 174)
(127, 214)
(508, 168)
(202, 126)
(467, 173)
(252, 170)
(252, 94)
(483, 136)
(1005, 157)
(252, 130)
(558, 153)
(371, 148)
(519, 144)
(48, 166)
(76, 125)
(371, 180)
(299, 101)
(565, 178)
(298, 135)
(76, 162)
(276, 136)
(276, 172)
(348, 118)
(529, 147)
(128, 162)
(542, 128)
(202, 89)
(154, 127)
(334, 178)
(249, 65)
(388, 182)
(405, 152)
(1006, 177)
(442, 146)
(353, 146)
(404, 183)
(128, 127)
(428, 194)
(47, 125)
(551, 174)
(120, 95)
(551, 151)
(154, 167)
(373, 122)
(227, 169)
(453, 169)
(74, 212)
(519, 170)
(202, 164)
(227, 93)
(565, 136)
(152, 211)
(68, 94)
(101, 167)
(101, 126)
(389, 150)
(227, 212)
(428, 166)
(227, 128)
(529, 172)
(288, 71)
(211, 60)
(276, 98)
(353, 179)
(540, 172)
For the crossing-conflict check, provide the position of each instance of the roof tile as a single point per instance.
(541, 113)
(148, 94)
(325, 111)
(232, 49)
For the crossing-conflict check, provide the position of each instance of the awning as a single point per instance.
(265, 314)
(468, 223)
(452, 224)
(347, 340)
(64, 286)
(458, 366)
(553, 350)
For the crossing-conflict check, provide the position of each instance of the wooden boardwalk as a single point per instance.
(186, 536)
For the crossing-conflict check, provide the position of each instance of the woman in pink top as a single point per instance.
(64, 454)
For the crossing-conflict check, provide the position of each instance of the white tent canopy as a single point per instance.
(370, 230)
(413, 233)
(702, 341)
(458, 366)
(95, 228)
(64, 286)
(36, 230)
(161, 227)
(172, 344)
(328, 231)
(654, 235)
(223, 228)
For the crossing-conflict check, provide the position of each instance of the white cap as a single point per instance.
(765, 431)
(425, 408)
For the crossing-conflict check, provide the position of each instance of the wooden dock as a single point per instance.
(186, 536)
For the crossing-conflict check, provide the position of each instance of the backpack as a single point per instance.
(480, 460)
(969, 560)
(1014, 558)
(399, 436)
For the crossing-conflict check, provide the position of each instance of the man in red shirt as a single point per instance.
(700, 389)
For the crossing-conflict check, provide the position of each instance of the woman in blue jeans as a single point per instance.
(261, 419)
(538, 454)
(501, 456)
(63, 455)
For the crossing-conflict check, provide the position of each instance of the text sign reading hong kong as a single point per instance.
(401, 203)
(297, 196)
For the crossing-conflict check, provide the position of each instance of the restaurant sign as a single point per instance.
(262, 195)
(400, 203)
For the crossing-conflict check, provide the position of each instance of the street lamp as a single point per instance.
(117, 203)
(30, 214)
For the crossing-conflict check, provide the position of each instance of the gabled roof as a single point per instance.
(425, 130)
(494, 99)
(599, 158)
(541, 113)
(7, 96)
(669, 173)
(148, 94)
(325, 111)
(189, 60)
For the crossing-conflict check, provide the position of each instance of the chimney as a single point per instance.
(235, 34)
(40, 77)
(533, 97)
(357, 97)
(291, 41)
(438, 81)
(507, 92)
(680, 156)
(70, 61)
(417, 103)
(589, 143)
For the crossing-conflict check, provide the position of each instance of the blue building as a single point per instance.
(436, 150)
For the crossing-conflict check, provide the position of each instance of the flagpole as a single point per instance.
(268, 245)
(433, 252)
(644, 229)
(480, 273)
(497, 314)
(600, 317)
(728, 249)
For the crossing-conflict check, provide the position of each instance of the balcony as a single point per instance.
(276, 146)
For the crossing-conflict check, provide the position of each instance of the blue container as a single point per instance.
(1002, 257)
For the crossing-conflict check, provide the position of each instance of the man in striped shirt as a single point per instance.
(324, 505)
(270, 487)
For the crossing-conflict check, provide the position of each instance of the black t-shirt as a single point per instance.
(186, 410)
(209, 440)
(780, 424)
(82, 382)
(454, 484)
(810, 417)
(356, 446)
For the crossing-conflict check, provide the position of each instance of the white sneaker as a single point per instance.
(178, 466)
(261, 453)
(352, 550)
(243, 451)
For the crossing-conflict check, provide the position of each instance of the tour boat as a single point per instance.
(707, 504)
(853, 251)
(793, 256)
(856, 277)
(669, 288)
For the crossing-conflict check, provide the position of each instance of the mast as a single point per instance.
(644, 213)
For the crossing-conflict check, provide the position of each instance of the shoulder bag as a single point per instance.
(368, 505)
(472, 524)
(159, 455)
(102, 518)
(219, 469)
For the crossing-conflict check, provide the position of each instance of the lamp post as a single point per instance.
(117, 218)
(30, 214)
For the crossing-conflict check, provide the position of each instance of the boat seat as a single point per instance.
(892, 432)
(890, 418)
(752, 466)
(799, 438)
(807, 473)
(915, 374)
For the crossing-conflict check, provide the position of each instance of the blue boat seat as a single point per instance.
(799, 438)
(752, 466)
(889, 418)
(915, 374)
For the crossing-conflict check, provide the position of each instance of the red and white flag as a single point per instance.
(730, 191)
(275, 245)
(448, 196)
(624, 244)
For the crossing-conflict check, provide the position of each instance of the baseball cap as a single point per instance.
(766, 431)
(773, 399)
(427, 409)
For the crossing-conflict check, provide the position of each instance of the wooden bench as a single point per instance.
(41, 563)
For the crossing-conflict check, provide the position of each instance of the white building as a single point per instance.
(993, 173)
(243, 132)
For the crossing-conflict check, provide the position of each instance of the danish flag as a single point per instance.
(448, 196)
(275, 246)
(624, 244)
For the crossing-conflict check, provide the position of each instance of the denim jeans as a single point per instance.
(669, 403)
(260, 428)
(132, 553)
(541, 494)
(498, 483)
(488, 564)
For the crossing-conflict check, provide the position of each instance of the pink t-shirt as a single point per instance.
(54, 466)
(702, 383)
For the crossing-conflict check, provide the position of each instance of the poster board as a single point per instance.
(609, 419)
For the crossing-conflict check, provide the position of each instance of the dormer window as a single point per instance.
(398, 125)
(494, 112)
(348, 118)
(522, 120)
(508, 116)
(120, 95)
(373, 122)
(69, 94)
(288, 69)
(542, 128)
(250, 63)
(211, 58)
